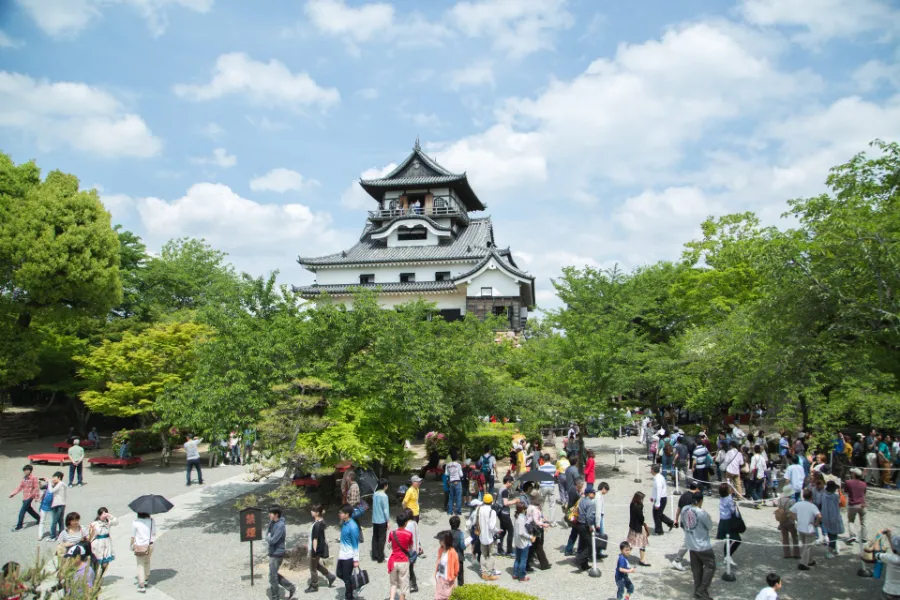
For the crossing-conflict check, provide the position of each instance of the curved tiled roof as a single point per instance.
(473, 242)
(428, 220)
(387, 288)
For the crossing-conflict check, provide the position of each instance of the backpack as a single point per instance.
(401, 492)
(485, 466)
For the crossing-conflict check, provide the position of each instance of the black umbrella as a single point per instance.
(368, 482)
(536, 475)
(152, 504)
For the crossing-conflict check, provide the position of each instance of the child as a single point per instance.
(459, 544)
(623, 568)
(770, 592)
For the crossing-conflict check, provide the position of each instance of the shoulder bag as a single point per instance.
(412, 556)
(359, 578)
(737, 522)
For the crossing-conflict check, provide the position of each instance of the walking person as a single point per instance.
(380, 519)
(585, 526)
(412, 526)
(192, 453)
(787, 523)
(401, 541)
(46, 510)
(30, 487)
(101, 544)
(487, 464)
(348, 556)
(354, 499)
(546, 487)
(728, 514)
(76, 462)
(506, 522)
(484, 523)
(574, 496)
(808, 518)
(701, 461)
(276, 533)
(446, 569)
(459, 544)
(794, 476)
(318, 550)
(539, 524)
(411, 498)
(562, 466)
(73, 534)
(685, 500)
(60, 490)
(453, 471)
(522, 542)
(624, 587)
(590, 469)
(832, 522)
(234, 444)
(143, 534)
(770, 592)
(734, 459)
(891, 562)
(757, 475)
(856, 505)
(696, 525)
(659, 499)
(638, 530)
(82, 580)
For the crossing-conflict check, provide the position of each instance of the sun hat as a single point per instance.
(416, 479)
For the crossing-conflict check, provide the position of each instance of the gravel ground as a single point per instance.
(200, 556)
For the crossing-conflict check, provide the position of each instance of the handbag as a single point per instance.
(359, 578)
(141, 550)
(737, 523)
(412, 556)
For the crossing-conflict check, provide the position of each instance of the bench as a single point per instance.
(48, 458)
(112, 461)
(306, 482)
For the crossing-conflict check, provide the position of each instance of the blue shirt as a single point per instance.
(622, 563)
(349, 541)
(47, 501)
(380, 510)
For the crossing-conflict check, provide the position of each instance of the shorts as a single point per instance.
(400, 577)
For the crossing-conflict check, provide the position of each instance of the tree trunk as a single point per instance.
(164, 456)
(804, 413)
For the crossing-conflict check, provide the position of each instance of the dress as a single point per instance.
(637, 535)
(101, 546)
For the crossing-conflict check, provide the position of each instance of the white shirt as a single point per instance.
(190, 449)
(442, 566)
(59, 494)
(487, 522)
(413, 528)
(795, 475)
(758, 463)
(767, 593)
(806, 515)
(733, 461)
(143, 531)
(454, 471)
(659, 489)
(598, 508)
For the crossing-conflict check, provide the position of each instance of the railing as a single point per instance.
(433, 211)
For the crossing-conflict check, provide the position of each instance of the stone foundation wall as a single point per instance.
(481, 307)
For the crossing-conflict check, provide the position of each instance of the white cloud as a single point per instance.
(266, 124)
(8, 42)
(822, 20)
(515, 27)
(282, 180)
(258, 236)
(479, 73)
(74, 115)
(266, 84)
(220, 158)
(355, 198)
(213, 131)
(368, 93)
(876, 73)
(67, 18)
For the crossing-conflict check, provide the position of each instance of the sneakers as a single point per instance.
(331, 579)
(291, 595)
(677, 565)
(142, 590)
(830, 555)
(803, 567)
(731, 562)
(496, 573)
(850, 539)
(311, 589)
(488, 577)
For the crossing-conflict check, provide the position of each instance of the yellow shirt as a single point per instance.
(561, 465)
(411, 500)
(520, 461)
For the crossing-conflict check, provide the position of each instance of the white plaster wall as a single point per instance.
(388, 274)
(502, 284)
(393, 240)
(443, 301)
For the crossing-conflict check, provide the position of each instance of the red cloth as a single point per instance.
(589, 475)
(856, 492)
(404, 542)
(30, 488)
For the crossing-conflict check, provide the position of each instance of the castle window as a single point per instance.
(363, 279)
(487, 291)
(407, 234)
(407, 277)
(442, 276)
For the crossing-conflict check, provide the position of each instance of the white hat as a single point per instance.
(661, 432)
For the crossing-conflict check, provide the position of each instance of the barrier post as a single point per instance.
(676, 481)
(621, 450)
(615, 459)
(594, 572)
(637, 469)
(728, 575)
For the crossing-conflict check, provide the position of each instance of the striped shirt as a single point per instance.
(549, 469)
(69, 538)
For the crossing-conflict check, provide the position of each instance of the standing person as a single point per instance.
(728, 513)
(590, 469)
(574, 495)
(46, 508)
(354, 499)
(856, 505)
(82, 580)
(638, 530)
(585, 526)
(447, 568)
(318, 550)
(757, 475)
(696, 525)
(506, 523)
(794, 476)
(234, 444)
(487, 464)
(685, 500)
(602, 490)
(275, 536)
(734, 459)
(808, 518)
(770, 592)
(412, 526)
(453, 471)
(401, 541)
(546, 487)
(787, 523)
(101, 545)
(192, 452)
(348, 557)
(380, 519)
(561, 466)
(832, 522)
(891, 561)
(682, 456)
(624, 587)
(522, 543)
(94, 438)
(539, 524)
(700, 463)
(884, 460)
(74, 533)
(411, 498)
(659, 498)
(459, 544)
(484, 522)
(143, 534)
(76, 462)
(60, 490)
(30, 487)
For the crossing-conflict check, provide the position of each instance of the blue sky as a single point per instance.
(597, 132)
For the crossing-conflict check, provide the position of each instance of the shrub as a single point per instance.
(496, 435)
(481, 591)
(437, 441)
(142, 441)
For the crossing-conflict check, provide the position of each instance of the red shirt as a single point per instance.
(404, 541)
(589, 475)
(856, 492)
(30, 488)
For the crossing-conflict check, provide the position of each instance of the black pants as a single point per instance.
(703, 567)
(537, 551)
(583, 558)
(379, 535)
(344, 571)
(659, 516)
(194, 463)
(506, 527)
(460, 580)
(412, 576)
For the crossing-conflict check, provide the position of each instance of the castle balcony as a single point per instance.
(427, 211)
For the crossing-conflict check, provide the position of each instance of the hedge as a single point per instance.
(480, 591)
(496, 435)
(141, 441)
